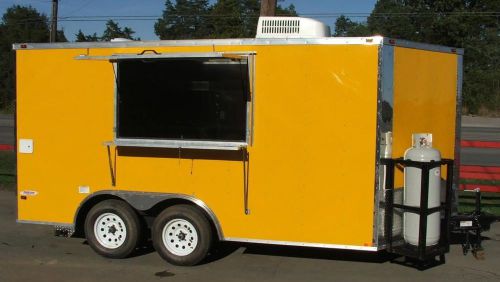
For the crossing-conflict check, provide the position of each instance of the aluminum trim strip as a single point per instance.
(115, 99)
(458, 132)
(160, 197)
(385, 99)
(118, 57)
(422, 46)
(45, 223)
(377, 145)
(187, 144)
(302, 244)
(252, 64)
(374, 40)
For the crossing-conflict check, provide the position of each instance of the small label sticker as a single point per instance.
(26, 146)
(84, 189)
(28, 193)
(466, 223)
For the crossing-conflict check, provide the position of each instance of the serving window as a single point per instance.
(183, 102)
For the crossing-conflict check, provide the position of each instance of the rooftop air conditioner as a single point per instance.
(291, 27)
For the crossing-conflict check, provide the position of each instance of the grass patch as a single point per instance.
(7, 170)
(490, 202)
(9, 109)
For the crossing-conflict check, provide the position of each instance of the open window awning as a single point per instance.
(152, 54)
(123, 63)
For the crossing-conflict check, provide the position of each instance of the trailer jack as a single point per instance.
(468, 227)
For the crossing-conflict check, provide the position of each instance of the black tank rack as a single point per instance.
(466, 227)
(421, 255)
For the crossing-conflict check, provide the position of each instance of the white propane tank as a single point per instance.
(386, 152)
(422, 151)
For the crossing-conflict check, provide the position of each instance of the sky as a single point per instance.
(150, 10)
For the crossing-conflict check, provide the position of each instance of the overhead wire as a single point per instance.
(103, 18)
(85, 4)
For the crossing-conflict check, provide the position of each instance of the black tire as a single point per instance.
(179, 215)
(118, 210)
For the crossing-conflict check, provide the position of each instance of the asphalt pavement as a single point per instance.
(7, 129)
(31, 253)
(481, 133)
(480, 156)
(480, 129)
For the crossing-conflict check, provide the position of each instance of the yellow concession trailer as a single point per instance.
(274, 141)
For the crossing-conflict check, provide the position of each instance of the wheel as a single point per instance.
(182, 235)
(112, 229)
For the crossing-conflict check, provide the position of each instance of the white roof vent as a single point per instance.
(120, 39)
(291, 27)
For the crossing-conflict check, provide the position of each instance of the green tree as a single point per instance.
(238, 18)
(392, 18)
(228, 21)
(465, 24)
(345, 27)
(19, 24)
(61, 37)
(188, 19)
(113, 30)
(81, 37)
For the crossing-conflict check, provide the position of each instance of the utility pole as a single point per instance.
(53, 21)
(268, 8)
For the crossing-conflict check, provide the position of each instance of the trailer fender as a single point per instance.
(141, 201)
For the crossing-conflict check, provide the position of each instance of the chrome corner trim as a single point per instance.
(385, 105)
(422, 46)
(146, 200)
(374, 40)
(302, 244)
(184, 144)
(378, 134)
(458, 131)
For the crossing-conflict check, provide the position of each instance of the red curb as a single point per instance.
(480, 144)
(5, 147)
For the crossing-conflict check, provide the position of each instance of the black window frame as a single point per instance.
(190, 143)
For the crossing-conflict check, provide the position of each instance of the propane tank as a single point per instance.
(386, 152)
(422, 151)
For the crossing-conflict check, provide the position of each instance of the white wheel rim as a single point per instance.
(110, 230)
(180, 237)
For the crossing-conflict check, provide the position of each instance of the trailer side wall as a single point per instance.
(311, 166)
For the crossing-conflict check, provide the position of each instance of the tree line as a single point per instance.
(198, 19)
(470, 24)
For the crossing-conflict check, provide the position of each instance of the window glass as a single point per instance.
(182, 99)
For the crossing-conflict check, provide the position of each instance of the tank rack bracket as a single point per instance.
(421, 255)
